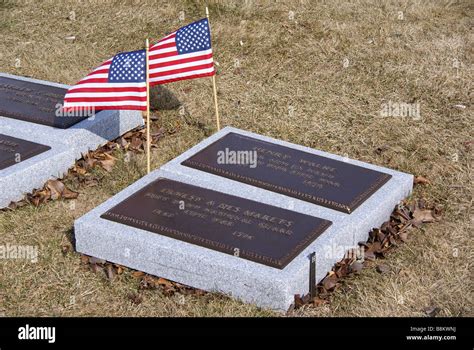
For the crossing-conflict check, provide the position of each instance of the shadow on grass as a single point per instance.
(162, 99)
(71, 237)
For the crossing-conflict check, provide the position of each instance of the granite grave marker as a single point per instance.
(14, 150)
(49, 142)
(143, 227)
(34, 102)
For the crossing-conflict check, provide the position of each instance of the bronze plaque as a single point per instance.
(251, 230)
(331, 183)
(14, 150)
(33, 102)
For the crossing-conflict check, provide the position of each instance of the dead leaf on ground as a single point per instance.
(329, 283)
(84, 259)
(403, 236)
(356, 267)
(318, 302)
(421, 180)
(65, 248)
(423, 216)
(68, 194)
(164, 282)
(135, 298)
(382, 268)
(137, 144)
(298, 301)
(110, 272)
(369, 255)
(55, 187)
(81, 173)
(390, 234)
(96, 268)
(94, 260)
(52, 190)
(138, 274)
(107, 164)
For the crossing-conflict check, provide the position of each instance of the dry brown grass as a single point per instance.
(285, 65)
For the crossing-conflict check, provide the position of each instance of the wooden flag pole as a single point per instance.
(148, 140)
(214, 88)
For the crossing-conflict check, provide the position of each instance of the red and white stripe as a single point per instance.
(95, 91)
(166, 65)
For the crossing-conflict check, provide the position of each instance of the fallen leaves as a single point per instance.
(391, 234)
(135, 298)
(96, 261)
(136, 141)
(403, 236)
(59, 190)
(66, 248)
(167, 287)
(330, 282)
(52, 190)
(100, 265)
(382, 269)
(108, 162)
(81, 172)
(138, 274)
(423, 216)
(356, 267)
(110, 272)
(132, 142)
(301, 301)
(420, 180)
(145, 281)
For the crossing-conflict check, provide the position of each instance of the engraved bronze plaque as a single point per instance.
(14, 150)
(251, 230)
(331, 183)
(33, 102)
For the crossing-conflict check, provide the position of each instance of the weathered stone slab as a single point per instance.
(214, 270)
(66, 143)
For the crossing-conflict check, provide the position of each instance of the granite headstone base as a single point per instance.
(31, 173)
(211, 270)
(67, 145)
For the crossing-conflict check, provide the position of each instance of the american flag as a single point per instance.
(119, 83)
(183, 54)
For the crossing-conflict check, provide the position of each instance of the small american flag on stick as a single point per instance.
(119, 83)
(183, 54)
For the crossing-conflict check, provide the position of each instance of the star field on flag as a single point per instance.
(128, 67)
(183, 54)
(194, 37)
(119, 83)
